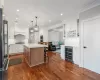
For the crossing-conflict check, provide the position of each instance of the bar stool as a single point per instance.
(46, 57)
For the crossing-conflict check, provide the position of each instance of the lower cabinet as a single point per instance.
(34, 56)
(27, 55)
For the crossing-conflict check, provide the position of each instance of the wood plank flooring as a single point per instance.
(55, 69)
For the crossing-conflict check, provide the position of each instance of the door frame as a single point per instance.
(82, 39)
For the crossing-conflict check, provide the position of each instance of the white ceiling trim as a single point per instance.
(89, 6)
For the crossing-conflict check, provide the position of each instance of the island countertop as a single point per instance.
(30, 45)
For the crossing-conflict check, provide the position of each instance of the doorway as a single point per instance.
(56, 37)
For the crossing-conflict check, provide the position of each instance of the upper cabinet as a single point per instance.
(1, 3)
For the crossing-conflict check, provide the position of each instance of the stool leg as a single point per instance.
(48, 58)
(44, 58)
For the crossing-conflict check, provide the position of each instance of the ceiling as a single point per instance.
(48, 11)
(58, 29)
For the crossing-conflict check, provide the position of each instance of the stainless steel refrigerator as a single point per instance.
(3, 47)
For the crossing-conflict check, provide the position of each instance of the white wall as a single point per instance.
(1, 3)
(53, 36)
(61, 36)
(74, 41)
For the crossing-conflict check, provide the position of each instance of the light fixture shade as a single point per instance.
(31, 30)
(36, 28)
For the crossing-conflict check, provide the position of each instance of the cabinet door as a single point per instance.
(24, 51)
(27, 54)
(37, 56)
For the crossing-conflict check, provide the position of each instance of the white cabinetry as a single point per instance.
(16, 48)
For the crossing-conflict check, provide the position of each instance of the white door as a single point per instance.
(91, 42)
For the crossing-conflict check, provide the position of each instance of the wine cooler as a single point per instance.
(69, 53)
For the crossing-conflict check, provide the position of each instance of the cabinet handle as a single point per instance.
(84, 47)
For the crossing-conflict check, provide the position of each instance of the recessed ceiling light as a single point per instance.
(61, 14)
(36, 29)
(3, 15)
(17, 10)
(16, 22)
(31, 31)
(49, 20)
(16, 18)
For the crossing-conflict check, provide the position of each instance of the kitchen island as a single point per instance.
(34, 54)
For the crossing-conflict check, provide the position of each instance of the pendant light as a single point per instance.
(32, 29)
(36, 27)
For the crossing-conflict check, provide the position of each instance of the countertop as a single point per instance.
(30, 45)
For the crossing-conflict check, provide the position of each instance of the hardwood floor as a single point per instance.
(55, 69)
